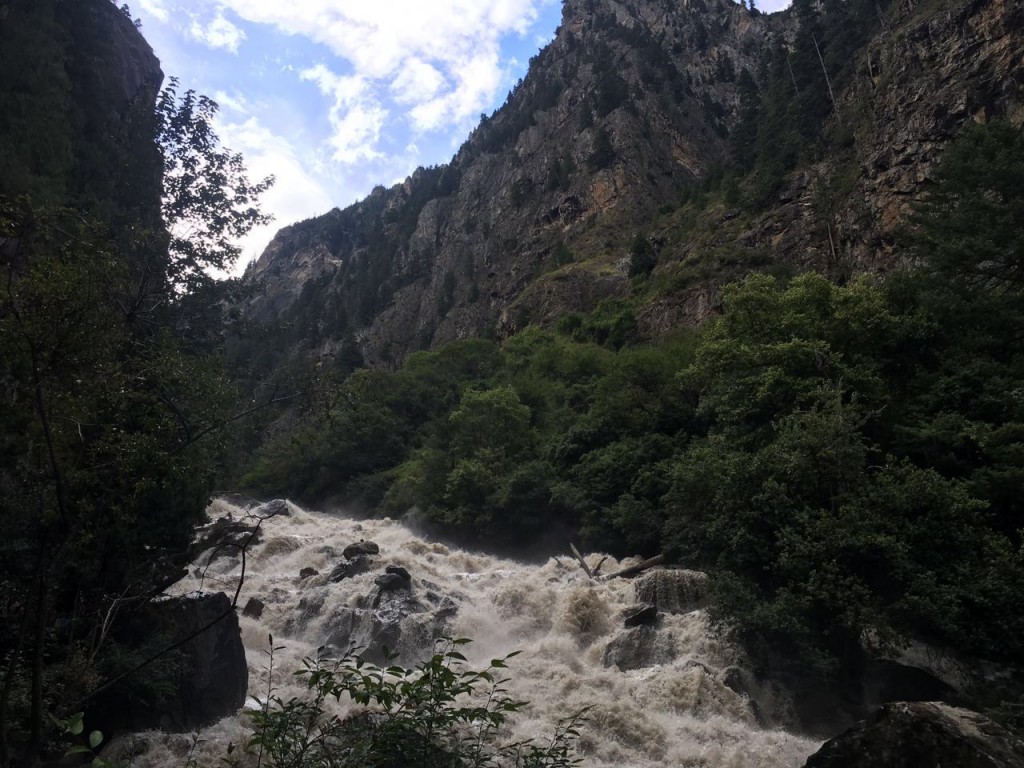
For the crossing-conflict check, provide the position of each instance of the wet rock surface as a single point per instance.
(352, 568)
(672, 591)
(359, 549)
(639, 647)
(641, 615)
(253, 608)
(920, 734)
(207, 676)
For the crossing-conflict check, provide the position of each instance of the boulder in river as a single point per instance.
(197, 684)
(672, 591)
(359, 549)
(639, 647)
(922, 734)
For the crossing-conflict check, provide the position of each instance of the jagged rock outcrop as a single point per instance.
(630, 104)
(908, 735)
(627, 105)
(672, 591)
(919, 80)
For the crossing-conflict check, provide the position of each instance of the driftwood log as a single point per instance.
(635, 569)
(583, 563)
(630, 571)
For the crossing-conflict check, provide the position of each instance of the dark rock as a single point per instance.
(920, 734)
(348, 570)
(311, 605)
(639, 647)
(360, 548)
(254, 608)
(403, 624)
(393, 579)
(769, 704)
(641, 615)
(306, 573)
(672, 591)
(224, 537)
(207, 676)
(826, 710)
(275, 508)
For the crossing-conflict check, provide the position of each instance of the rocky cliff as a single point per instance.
(627, 110)
(78, 85)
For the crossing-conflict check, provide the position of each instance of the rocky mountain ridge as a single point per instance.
(622, 115)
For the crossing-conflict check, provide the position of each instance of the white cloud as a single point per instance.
(218, 33)
(439, 59)
(416, 81)
(236, 102)
(156, 9)
(296, 194)
(356, 115)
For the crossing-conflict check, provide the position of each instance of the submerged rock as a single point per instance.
(393, 579)
(400, 626)
(639, 647)
(225, 537)
(254, 608)
(272, 509)
(641, 615)
(347, 570)
(919, 734)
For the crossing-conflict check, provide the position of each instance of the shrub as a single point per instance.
(440, 714)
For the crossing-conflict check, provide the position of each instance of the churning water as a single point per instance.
(656, 697)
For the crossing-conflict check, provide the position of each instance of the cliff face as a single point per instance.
(918, 81)
(628, 107)
(78, 85)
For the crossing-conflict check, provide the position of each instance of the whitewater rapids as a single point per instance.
(676, 713)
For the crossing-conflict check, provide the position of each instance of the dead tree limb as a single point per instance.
(638, 568)
(583, 563)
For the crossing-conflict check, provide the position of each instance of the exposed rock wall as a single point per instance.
(918, 81)
(629, 104)
(78, 85)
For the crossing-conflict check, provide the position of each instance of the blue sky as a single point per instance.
(334, 97)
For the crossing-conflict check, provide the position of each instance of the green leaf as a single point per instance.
(95, 739)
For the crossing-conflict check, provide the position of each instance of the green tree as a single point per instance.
(105, 461)
(442, 714)
(970, 227)
(111, 434)
(208, 200)
(819, 531)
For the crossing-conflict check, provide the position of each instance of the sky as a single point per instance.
(335, 97)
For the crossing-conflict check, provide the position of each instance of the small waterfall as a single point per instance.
(658, 696)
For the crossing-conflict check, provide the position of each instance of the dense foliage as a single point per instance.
(114, 399)
(846, 458)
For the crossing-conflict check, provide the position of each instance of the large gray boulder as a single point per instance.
(403, 622)
(193, 686)
(922, 735)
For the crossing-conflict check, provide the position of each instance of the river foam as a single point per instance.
(676, 711)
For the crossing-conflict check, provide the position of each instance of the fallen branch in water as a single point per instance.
(583, 563)
(635, 569)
